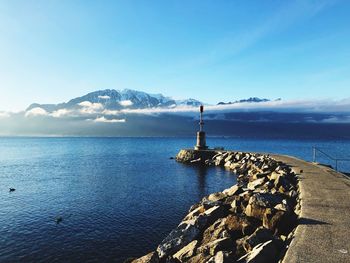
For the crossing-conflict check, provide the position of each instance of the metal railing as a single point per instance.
(315, 150)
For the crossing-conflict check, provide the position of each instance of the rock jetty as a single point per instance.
(252, 221)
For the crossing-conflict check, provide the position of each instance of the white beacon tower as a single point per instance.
(201, 143)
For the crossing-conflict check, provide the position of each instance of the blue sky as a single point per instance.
(52, 51)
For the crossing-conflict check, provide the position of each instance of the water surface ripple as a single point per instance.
(118, 197)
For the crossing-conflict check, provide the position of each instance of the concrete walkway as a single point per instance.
(323, 234)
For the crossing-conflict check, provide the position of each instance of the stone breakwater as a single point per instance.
(253, 221)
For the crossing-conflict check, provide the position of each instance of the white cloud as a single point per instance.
(60, 113)
(149, 111)
(337, 111)
(89, 107)
(315, 106)
(312, 106)
(4, 114)
(104, 120)
(104, 97)
(37, 111)
(111, 112)
(85, 104)
(126, 103)
(337, 119)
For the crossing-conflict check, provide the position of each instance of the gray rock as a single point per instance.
(266, 200)
(234, 190)
(149, 258)
(219, 161)
(198, 160)
(177, 239)
(216, 197)
(194, 212)
(222, 257)
(189, 230)
(213, 247)
(214, 213)
(272, 218)
(231, 225)
(255, 211)
(274, 176)
(186, 252)
(238, 156)
(254, 184)
(279, 221)
(236, 206)
(227, 164)
(258, 203)
(262, 253)
(260, 235)
(229, 158)
(199, 258)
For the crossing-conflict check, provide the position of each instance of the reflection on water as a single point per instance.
(201, 176)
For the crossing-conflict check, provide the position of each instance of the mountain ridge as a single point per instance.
(119, 99)
(249, 100)
(112, 99)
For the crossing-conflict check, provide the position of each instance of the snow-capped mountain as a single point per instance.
(111, 99)
(249, 100)
(189, 102)
(119, 99)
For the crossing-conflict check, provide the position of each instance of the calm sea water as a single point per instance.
(118, 197)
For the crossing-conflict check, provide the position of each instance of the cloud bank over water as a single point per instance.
(333, 110)
(134, 113)
(314, 106)
(103, 119)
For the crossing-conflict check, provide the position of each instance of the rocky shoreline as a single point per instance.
(253, 221)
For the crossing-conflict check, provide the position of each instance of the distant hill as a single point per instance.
(111, 99)
(112, 113)
(249, 100)
(119, 99)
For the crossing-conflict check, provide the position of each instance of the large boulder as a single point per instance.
(281, 181)
(216, 197)
(195, 212)
(279, 221)
(262, 253)
(259, 202)
(234, 166)
(238, 156)
(189, 230)
(243, 169)
(256, 183)
(227, 164)
(219, 161)
(189, 155)
(199, 258)
(177, 239)
(216, 231)
(260, 235)
(214, 213)
(186, 252)
(226, 244)
(233, 190)
(229, 158)
(232, 226)
(149, 258)
(222, 257)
